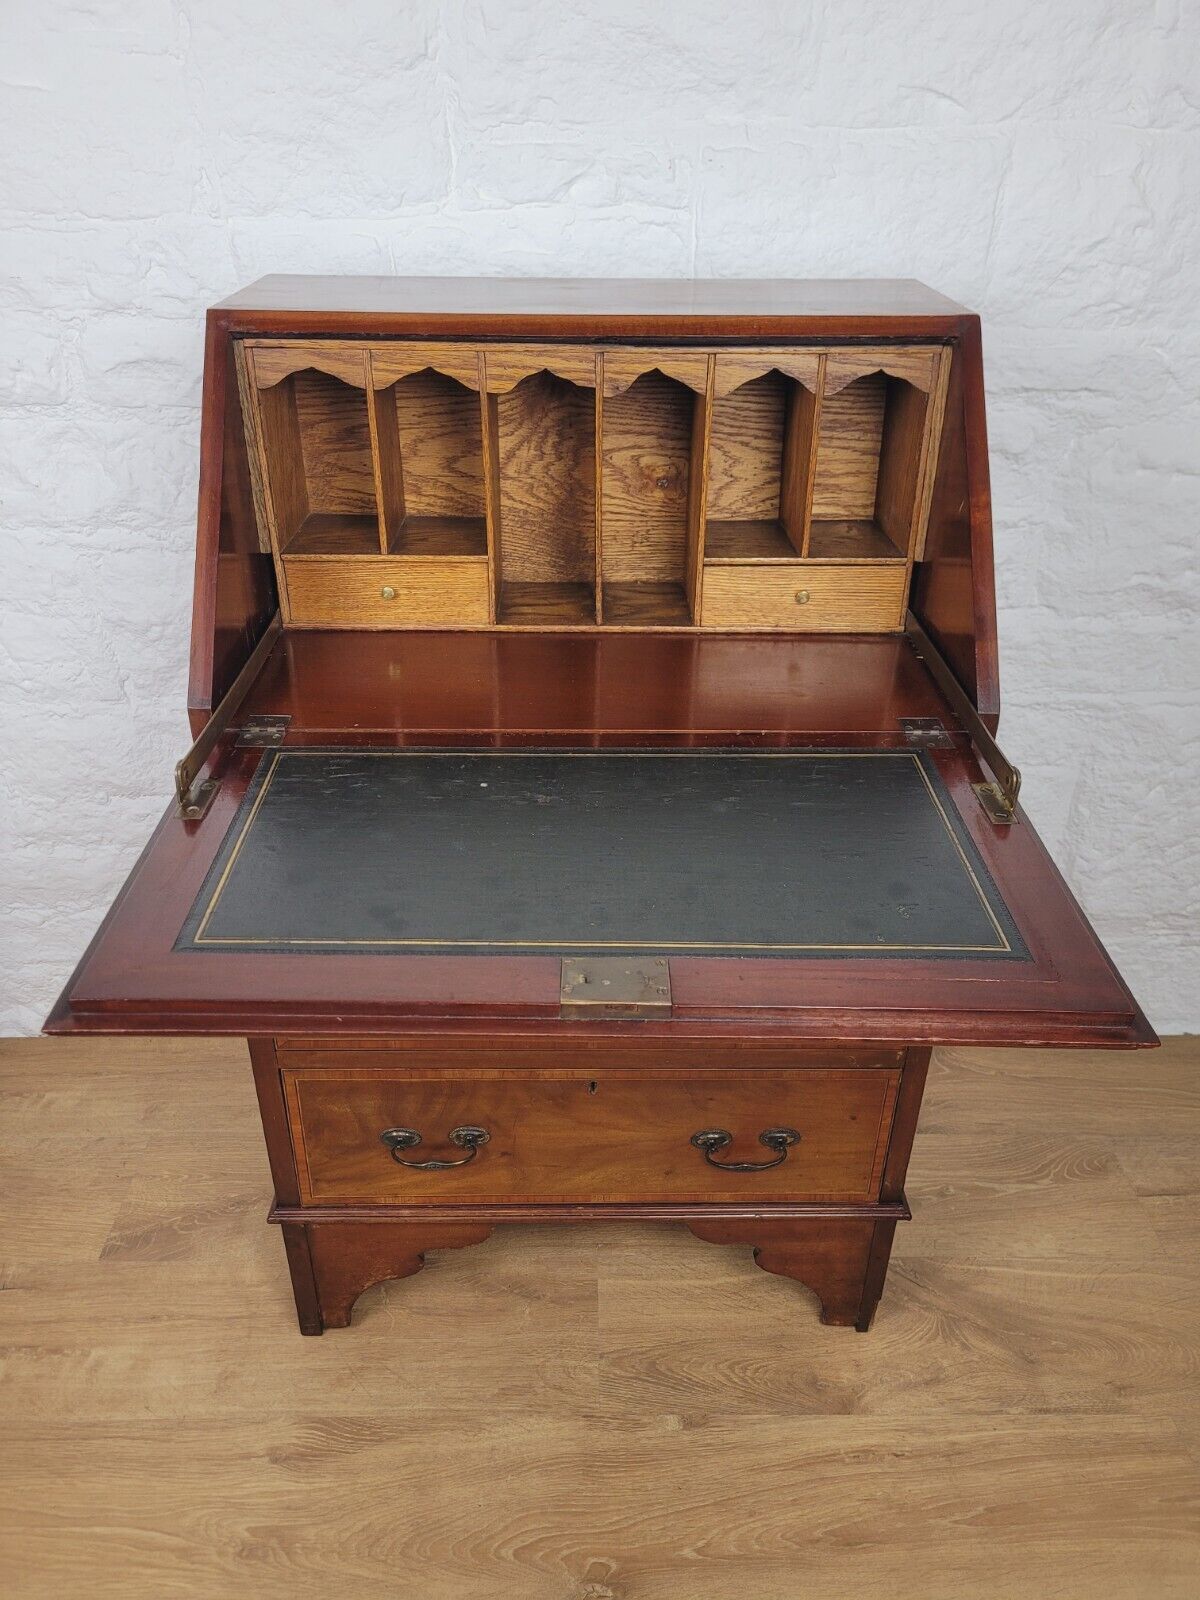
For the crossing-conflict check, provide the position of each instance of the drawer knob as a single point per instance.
(387, 592)
(468, 1139)
(710, 1140)
(802, 597)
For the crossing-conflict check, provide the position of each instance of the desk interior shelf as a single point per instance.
(403, 484)
(650, 510)
(429, 444)
(545, 427)
(872, 438)
(760, 470)
(318, 454)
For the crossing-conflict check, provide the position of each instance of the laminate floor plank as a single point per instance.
(948, 1337)
(586, 1413)
(538, 1508)
(168, 1341)
(1118, 1094)
(1166, 1165)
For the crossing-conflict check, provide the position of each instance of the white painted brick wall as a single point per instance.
(1039, 161)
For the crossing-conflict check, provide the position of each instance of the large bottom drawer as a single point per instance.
(569, 1135)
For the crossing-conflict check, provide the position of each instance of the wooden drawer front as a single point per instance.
(564, 1136)
(329, 592)
(857, 599)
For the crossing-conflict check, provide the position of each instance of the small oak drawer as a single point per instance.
(375, 1134)
(813, 598)
(387, 591)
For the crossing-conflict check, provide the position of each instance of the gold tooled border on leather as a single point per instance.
(199, 941)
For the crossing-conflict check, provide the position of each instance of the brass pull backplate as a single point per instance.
(710, 1140)
(467, 1138)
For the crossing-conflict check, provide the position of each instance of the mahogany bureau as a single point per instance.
(595, 809)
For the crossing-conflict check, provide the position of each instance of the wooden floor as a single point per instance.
(600, 1412)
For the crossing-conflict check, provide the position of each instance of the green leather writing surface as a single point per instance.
(780, 853)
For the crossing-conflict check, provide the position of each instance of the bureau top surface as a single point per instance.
(585, 300)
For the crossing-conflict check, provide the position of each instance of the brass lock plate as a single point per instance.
(618, 988)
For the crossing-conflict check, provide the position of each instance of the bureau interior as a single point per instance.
(408, 485)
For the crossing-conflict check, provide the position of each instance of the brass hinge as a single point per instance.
(262, 730)
(616, 988)
(927, 733)
(192, 797)
(999, 797)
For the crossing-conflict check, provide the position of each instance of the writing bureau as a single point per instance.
(595, 808)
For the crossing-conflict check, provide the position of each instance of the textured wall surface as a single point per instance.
(1039, 162)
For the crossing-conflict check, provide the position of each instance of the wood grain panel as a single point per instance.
(933, 444)
(647, 466)
(280, 460)
(441, 445)
(746, 450)
(332, 593)
(847, 540)
(505, 365)
(622, 368)
(801, 431)
(392, 361)
(441, 536)
(546, 605)
(954, 591)
(565, 1136)
(387, 465)
(324, 533)
(850, 439)
(489, 417)
(557, 307)
(901, 462)
(864, 599)
(828, 541)
(736, 367)
(245, 416)
(547, 490)
(762, 454)
(336, 443)
(697, 501)
(646, 605)
(761, 539)
(271, 362)
(916, 365)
